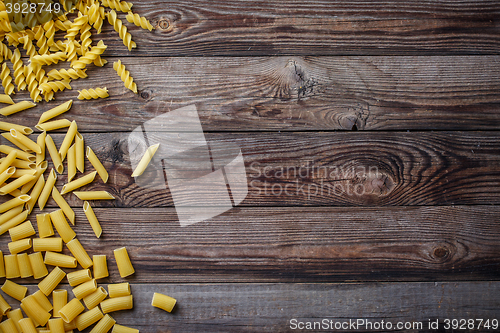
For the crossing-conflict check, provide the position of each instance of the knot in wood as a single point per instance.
(441, 252)
(163, 24)
(145, 95)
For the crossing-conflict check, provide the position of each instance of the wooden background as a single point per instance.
(409, 87)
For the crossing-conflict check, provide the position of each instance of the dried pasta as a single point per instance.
(139, 21)
(125, 76)
(100, 266)
(79, 277)
(144, 162)
(67, 74)
(88, 318)
(71, 310)
(90, 56)
(7, 79)
(37, 265)
(44, 225)
(93, 93)
(123, 329)
(14, 290)
(59, 299)
(163, 302)
(24, 264)
(117, 304)
(118, 5)
(94, 223)
(93, 195)
(104, 325)
(50, 282)
(14, 108)
(56, 111)
(53, 125)
(95, 298)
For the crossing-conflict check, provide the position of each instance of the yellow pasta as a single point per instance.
(27, 325)
(71, 162)
(69, 327)
(7, 162)
(62, 226)
(100, 266)
(48, 59)
(24, 264)
(7, 80)
(18, 219)
(79, 277)
(8, 126)
(94, 160)
(125, 76)
(43, 300)
(93, 93)
(16, 142)
(123, 262)
(35, 193)
(80, 152)
(69, 74)
(119, 289)
(104, 325)
(19, 153)
(79, 252)
(163, 302)
(18, 174)
(118, 5)
(93, 195)
(11, 213)
(59, 259)
(47, 188)
(21, 164)
(2, 265)
(117, 304)
(44, 226)
(14, 290)
(15, 202)
(4, 306)
(92, 300)
(16, 315)
(21, 231)
(14, 108)
(7, 174)
(139, 21)
(54, 86)
(70, 214)
(53, 244)
(30, 315)
(6, 99)
(50, 282)
(88, 318)
(54, 154)
(19, 246)
(146, 158)
(37, 265)
(56, 325)
(89, 56)
(53, 125)
(77, 183)
(85, 289)
(68, 139)
(8, 188)
(94, 223)
(25, 141)
(8, 326)
(54, 112)
(123, 329)
(34, 310)
(18, 66)
(60, 299)
(39, 170)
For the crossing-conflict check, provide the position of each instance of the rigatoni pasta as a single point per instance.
(59, 259)
(119, 289)
(35, 310)
(50, 282)
(104, 325)
(2, 265)
(54, 244)
(117, 304)
(95, 298)
(163, 302)
(8, 326)
(24, 264)
(23, 230)
(56, 325)
(37, 265)
(14, 290)
(19, 246)
(85, 289)
(27, 325)
(79, 277)
(4, 306)
(123, 262)
(16, 315)
(62, 226)
(43, 300)
(59, 299)
(123, 329)
(79, 252)
(88, 318)
(100, 266)
(44, 225)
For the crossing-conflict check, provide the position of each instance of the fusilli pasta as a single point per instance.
(93, 93)
(125, 76)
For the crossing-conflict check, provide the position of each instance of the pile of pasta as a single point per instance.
(41, 45)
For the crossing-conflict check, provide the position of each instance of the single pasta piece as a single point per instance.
(35, 310)
(47, 188)
(94, 223)
(16, 315)
(24, 265)
(52, 244)
(18, 219)
(117, 304)
(7, 162)
(21, 106)
(69, 74)
(7, 174)
(8, 126)
(54, 154)
(43, 300)
(51, 281)
(19, 153)
(8, 325)
(123, 329)
(54, 86)
(118, 5)
(93, 93)
(53, 125)
(48, 59)
(144, 162)
(60, 299)
(119, 289)
(4, 306)
(139, 21)
(71, 162)
(15, 202)
(18, 174)
(54, 112)
(95, 16)
(77, 24)
(8, 188)
(96, 163)
(85, 289)
(16, 142)
(6, 99)
(80, 152)
(125, 76)
(123, 262)
(37, 265)
(35, 193)
(18, 70)
(88, 318)
(104, 325)
(68, 139)
(22, 164)
(44, 226)
(27, 325)
(79, 252)
(61, 202)
(100, 266)
(59, 259)
(14, 290)
(72, 309)
(93, 195)
(23, 230)
(90, 56)
(62, 226)
(92, 300)
(70, 326)
(25, 141)
(56, 325)
(163, 302)
(19, 246)
(79, 277)
(2, 265)
(40, 141)
(77, 183)
(7, 79)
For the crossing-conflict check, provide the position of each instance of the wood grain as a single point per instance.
(299, 244)
(270, 307)
(293, 93)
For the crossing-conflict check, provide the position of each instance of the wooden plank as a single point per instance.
(299, 244)
(243, 28)
(294, 93)
(321, 169)
(271, 307)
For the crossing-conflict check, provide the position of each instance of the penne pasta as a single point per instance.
(16, 142)
(70, 214)
(16, 193)
(19, 173)
(71, 310)
(16, 315)
(71, 162)
(40, 140)
(79, 277)
(19, 153)
(9, 159)
(21, 164)
(4, 306)
(123, 262)
(47, 189)
(100, 266)
(24, 264)
(54, 154)
(85, 289)
(117, 304)
(60, 299)
(23, 230)
(163, 302)
(16, 220)
(79, 253)
(27, 325)
(14, 108)
(51, 281)
(8, 326)
(93, 195)
(52, 244)
(53, 125)
(39, 170)
(68, 139)
(123, 329)
(35, 193)
(94, 160)
(8, 188)
(144, 162)
(77, 183)
(2, 265)
(34, 310)
(25, 141)
(61, 225)
(44, 226)
(13, 203)
(80, 152)
(8, 126)
(11, 266)
(19, 246)
(6, 99)
(56, 325)
(7, 174)
(119, 289)
(43, 300)
(14, 290)
(54, 112)
(88, 318)
(37, 265)
(104, 325)
(59, 259)
(93, 300)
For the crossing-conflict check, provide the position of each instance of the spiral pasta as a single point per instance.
(122, 30)
(93, 93)
(77, 24)
(90, 56)
(99, 62)
(125, 76)
(96, 15)
(32, 83)
(139, 21)
(70, 74)
(85, 37)
(54, 86)
(28, 46)
(7, 80)
(49, 59)
(122, 6)
(43, 48)
(18, 70)
(50, 31)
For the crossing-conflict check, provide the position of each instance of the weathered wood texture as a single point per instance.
(270, 307)
(299, 244)
(294, 93)
(293, 27)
